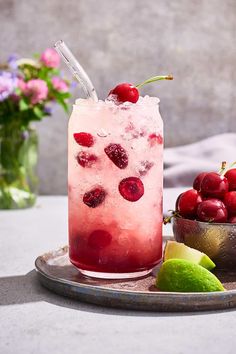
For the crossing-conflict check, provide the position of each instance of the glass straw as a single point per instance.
(76, 69)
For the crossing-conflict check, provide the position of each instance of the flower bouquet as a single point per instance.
(28, 89)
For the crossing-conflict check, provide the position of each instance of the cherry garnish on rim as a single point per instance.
(127, 92)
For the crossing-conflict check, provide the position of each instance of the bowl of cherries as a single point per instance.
(205, 216)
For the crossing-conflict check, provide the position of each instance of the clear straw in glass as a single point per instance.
(76, 69)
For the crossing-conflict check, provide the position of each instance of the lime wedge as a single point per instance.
(181, 251)
(181, 275)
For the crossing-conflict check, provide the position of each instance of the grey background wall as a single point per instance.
(129, 41)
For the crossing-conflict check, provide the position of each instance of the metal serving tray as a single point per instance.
(56, 273)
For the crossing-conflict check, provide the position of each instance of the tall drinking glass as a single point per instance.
(115, 185)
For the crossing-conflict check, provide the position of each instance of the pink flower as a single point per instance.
(21, 84)
(59, 84)
(36, 89)
(50, 58)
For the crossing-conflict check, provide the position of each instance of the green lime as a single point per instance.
(181, 251)
(181, 275)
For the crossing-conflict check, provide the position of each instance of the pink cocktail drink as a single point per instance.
(115, 176)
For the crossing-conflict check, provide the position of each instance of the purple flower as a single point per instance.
(8, 83)
(73, 85)
(36, 89)
(12, 61)
(50, 58)
(24, 135)
(48, 110)
(59, 84)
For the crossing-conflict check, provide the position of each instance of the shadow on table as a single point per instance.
(26, 289)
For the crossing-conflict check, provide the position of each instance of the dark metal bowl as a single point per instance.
(218, 241)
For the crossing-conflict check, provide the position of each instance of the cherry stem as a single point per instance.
(167, 219)
(155, 78)
(223, 169)
(232, 164)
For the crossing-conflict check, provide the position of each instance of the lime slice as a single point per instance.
(181, 251)
(180, 275)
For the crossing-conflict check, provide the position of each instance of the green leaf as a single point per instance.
(61, 95)
(17, 91)
(64, 106)
(23, 105)
(55, 72)
(61, 100)
(65, 95)
(38, 112)
(43, 73)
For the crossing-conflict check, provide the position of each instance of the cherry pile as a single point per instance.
(212, 199)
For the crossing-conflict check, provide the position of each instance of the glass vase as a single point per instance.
(18, 161)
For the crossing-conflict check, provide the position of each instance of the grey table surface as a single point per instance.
(34, 320)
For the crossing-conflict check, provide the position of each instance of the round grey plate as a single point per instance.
(57, 274)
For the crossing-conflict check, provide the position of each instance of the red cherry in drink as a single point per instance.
(212, 210)
(117, 154)
(198, 180)
(125, 92)
(85, 159)
(231, 177)
(99, 239)
(155, 139)
(232, 220)
(145, 166)
(84, 139)
(230, 202)
(214, 185)
(131, 188)
(94, 197)
(187, 203)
